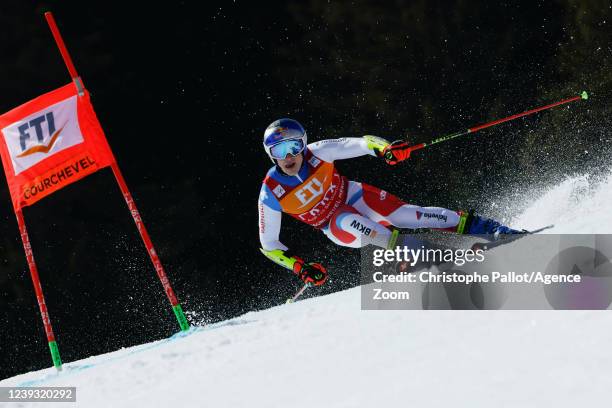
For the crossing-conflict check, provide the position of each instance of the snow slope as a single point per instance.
(579, 205)
(326, 352)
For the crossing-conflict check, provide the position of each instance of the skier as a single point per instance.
(305, 184)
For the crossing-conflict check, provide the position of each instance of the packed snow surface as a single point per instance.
(327, 352)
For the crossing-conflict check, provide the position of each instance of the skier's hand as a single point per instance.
(313, 273)
(396, 152)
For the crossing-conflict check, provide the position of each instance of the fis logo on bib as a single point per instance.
(314, 161)
(278, 191)
(440, 217)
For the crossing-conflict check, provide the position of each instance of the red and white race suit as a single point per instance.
(350, 213)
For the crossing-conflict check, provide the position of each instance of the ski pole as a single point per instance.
(475, 129)
(299, 293)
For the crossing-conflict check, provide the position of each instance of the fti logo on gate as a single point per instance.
(42, 134)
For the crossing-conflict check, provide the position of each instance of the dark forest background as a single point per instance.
(184, 91)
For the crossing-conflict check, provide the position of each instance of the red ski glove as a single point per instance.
(313, 273)
(396, 152)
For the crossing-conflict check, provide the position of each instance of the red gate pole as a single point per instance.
(159, 269)
(64, 51)
(40, 297)
(176, 306)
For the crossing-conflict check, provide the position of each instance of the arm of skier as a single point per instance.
(350, 147)
(270, 216)
(347, 147)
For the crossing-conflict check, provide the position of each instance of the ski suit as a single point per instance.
(350, 213)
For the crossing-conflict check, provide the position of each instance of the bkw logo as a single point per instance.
(362, 228)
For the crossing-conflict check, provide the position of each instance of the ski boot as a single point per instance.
(473, 224)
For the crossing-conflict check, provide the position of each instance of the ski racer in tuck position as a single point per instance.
(305, 184)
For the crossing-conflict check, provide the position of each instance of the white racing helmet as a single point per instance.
(283, 137)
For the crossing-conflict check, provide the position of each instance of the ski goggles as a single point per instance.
(282, 149)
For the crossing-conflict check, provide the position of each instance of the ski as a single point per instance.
(298, 293)
(508, 239)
